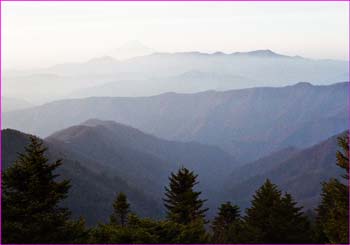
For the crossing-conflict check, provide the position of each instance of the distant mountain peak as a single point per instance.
(260, 53)
(219, 53)
(96, 122)
(303, 84)
(254, 53)
(103, 59)
(131, 49)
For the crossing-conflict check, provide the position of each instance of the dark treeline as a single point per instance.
(32, 193)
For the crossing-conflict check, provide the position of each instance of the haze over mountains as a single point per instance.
(12, 104)
(103, 157)
(92, 190)
(122, 155)
(297, 171)
(155, 73)
(131, 49)
(261, 119)
(235, 119)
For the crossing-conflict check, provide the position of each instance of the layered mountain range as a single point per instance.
(92, 189)
(119, 129)
(297, 171)
(246, 123)
(155, 73)
(102, 158)
(113, 157)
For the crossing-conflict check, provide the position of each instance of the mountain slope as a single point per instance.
(247, 123)
(144, 160)
(299, 172)
(241, 70)
(12, 104)
(93, 186)
(259, 65)
(183, 83)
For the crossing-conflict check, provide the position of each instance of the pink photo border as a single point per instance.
(152, 1)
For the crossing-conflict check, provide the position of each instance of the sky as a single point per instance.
(41, 34)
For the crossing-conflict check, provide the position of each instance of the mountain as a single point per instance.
(261, 166)
(38, 87)
(265, 67)
(93, 186)
(297, 171)
(99, 158)
(131, 49)
(12, 104)
(241, 70)
(127, 159)
(267, 53)
(183, 83)
(146, 161)
(247, 123)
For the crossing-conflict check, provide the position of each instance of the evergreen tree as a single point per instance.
(226, 224)
(182, 202)
(121, 210)
(30, 200)
(145, 231)
(274, 218)
(333, 211)
(343, 156)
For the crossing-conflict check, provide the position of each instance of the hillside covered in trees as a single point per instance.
(34, 211)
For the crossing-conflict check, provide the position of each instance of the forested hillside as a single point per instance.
(34, 208)
(298, 172)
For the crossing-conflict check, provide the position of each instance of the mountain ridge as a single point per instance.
(145, 160)
(296, 171)
(93, 190)
(296, 115)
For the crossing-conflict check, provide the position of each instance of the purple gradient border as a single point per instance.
(153, 1)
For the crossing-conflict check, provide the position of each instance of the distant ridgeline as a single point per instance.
(155, 73)
(118, 154)
(247, 123)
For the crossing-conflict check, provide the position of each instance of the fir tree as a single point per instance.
(333, 211)
(226, 223)
(121, 210)
(30, 200)
(274, 218)
(182, 202)
(343, 157)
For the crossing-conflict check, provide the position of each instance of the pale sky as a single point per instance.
(39, 34)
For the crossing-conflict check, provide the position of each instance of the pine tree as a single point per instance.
(121, 210)
(274, 218)
(333, 211)
(182, 202)
(31, 197)
(226, 224)
(343, 157)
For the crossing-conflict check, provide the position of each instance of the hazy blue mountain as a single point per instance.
(261, 166)
(12, 104)
(299, 172)
(146, 161)
(263, 66)
(154, 73)
(183, 83)
(247, 123)
(131, 49)
(104, 157)
(39, 88)
(94, 186)
(100, 157)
